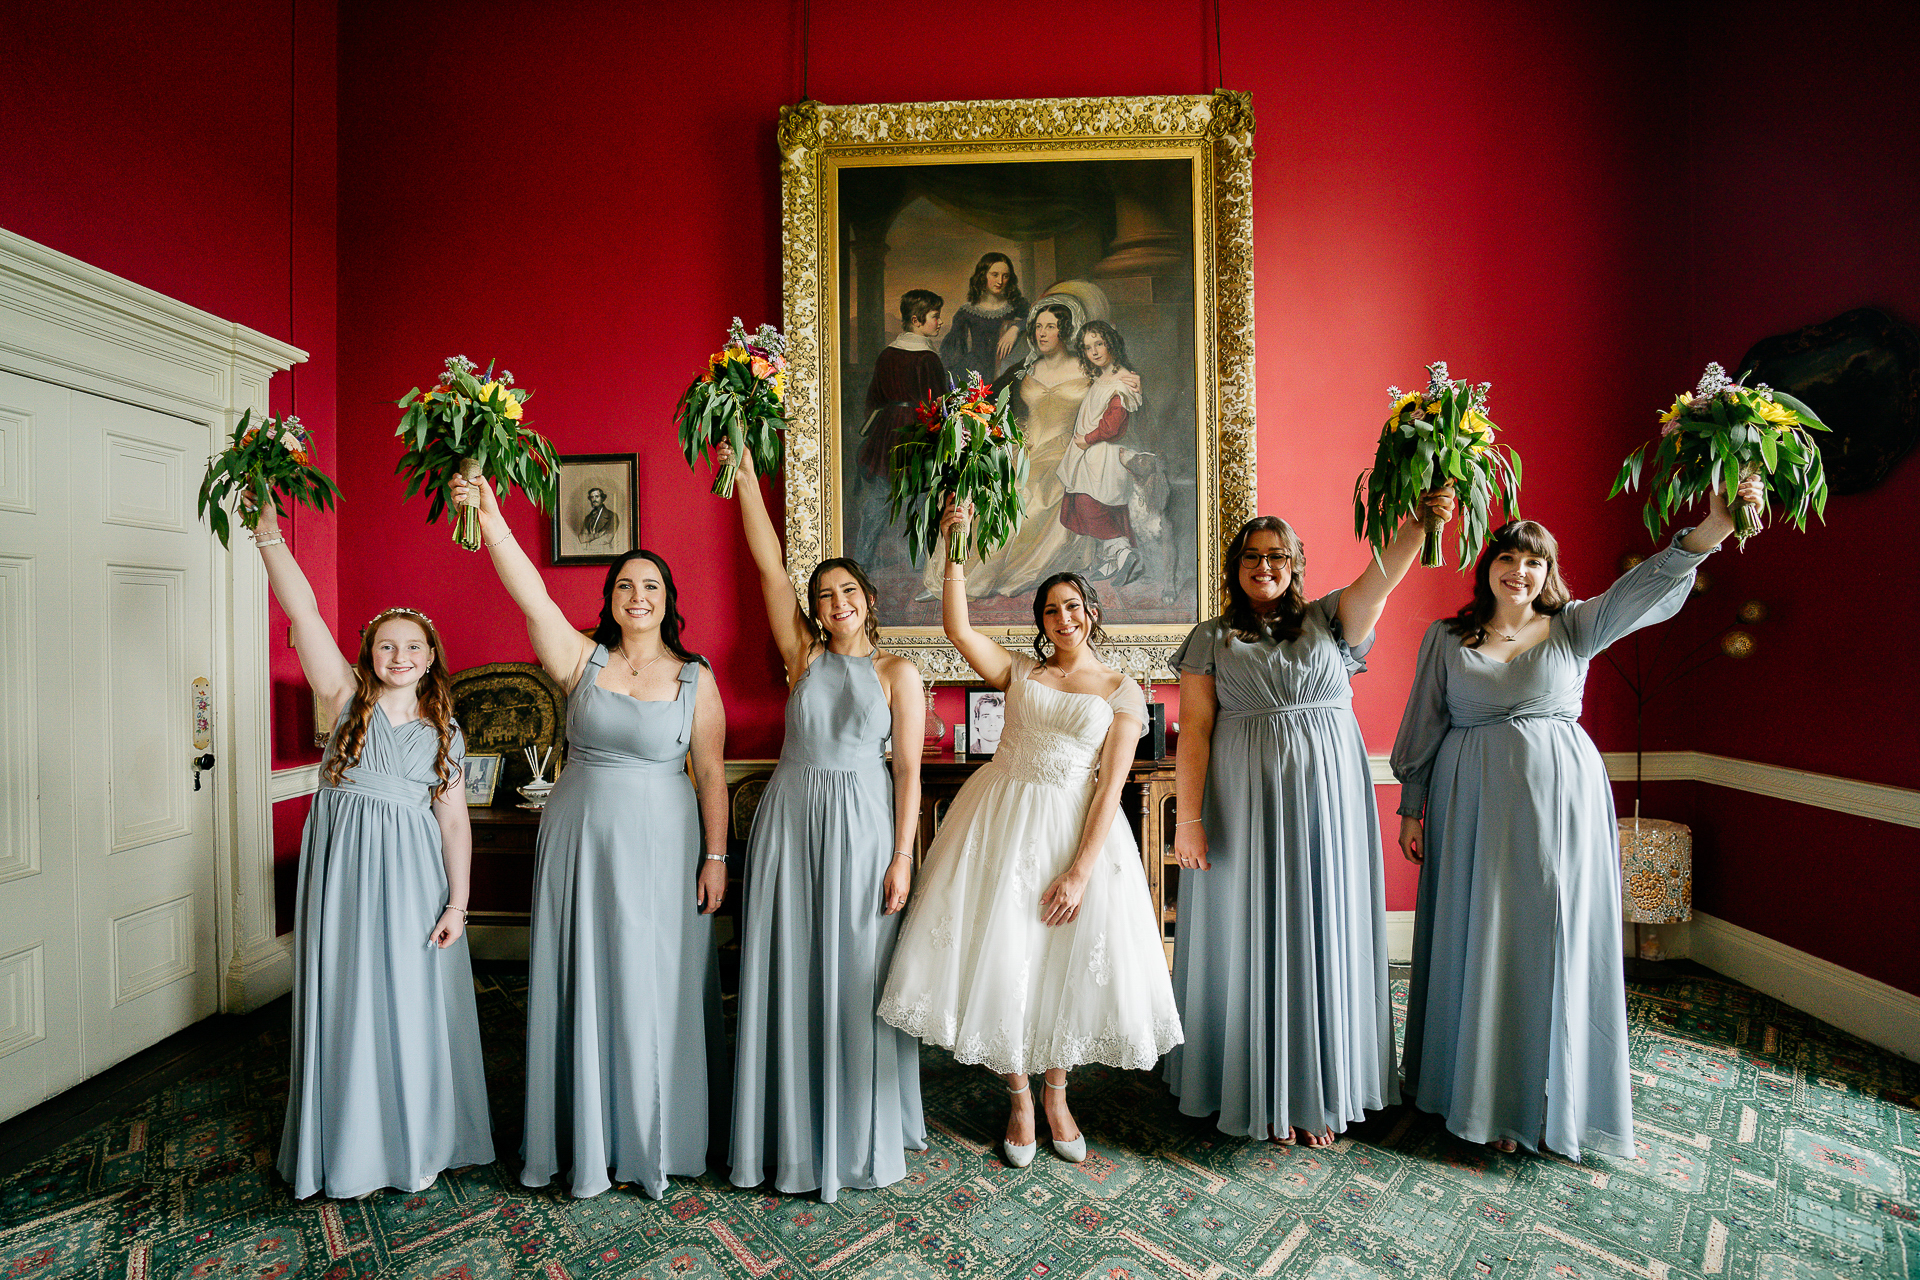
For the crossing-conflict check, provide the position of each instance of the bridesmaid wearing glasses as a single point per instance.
(1281, 967)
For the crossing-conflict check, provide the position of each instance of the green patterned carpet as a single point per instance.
(1771, 1145)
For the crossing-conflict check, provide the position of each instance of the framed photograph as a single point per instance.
(596, 515)
(986, 716)
(1094, 256)
(483, 775)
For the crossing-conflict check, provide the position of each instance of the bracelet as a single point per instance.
(450, 907)
(902, 853)
(947, 577)
(1189, 822)
(264, 543)
(716, 857)
(497, 541)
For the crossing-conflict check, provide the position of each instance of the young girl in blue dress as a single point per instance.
(386, 1087)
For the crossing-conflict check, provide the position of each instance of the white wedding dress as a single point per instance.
(976, 970)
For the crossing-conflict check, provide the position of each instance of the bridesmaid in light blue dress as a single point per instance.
(386, 1088)
(1516, 1013)
(827, 1096)
(623, 992)
(1281, 966)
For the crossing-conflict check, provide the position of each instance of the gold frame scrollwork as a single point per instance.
(1215, 130)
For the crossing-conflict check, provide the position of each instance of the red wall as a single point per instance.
(1504, 225)
(1803, 205)
(1567, 215)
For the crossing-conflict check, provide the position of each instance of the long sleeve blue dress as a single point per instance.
(1516, 1013)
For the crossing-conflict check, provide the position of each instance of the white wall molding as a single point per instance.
(291, 784)
(1399, 937)
(65, 322)
(1899, 805)
(1866, 1007)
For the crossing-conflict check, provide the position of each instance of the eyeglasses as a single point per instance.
(1254, 559)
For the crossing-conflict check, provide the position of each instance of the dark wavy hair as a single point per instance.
(1515, 535)
(859, 575)
(1116, 346)
(977, 283)
(1285, 621)
(607, 631)
(435, 692)
(1096, 637)
(1063, 317)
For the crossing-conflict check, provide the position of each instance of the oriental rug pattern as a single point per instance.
(1771, 1145)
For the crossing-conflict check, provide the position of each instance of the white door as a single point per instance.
(107, 852)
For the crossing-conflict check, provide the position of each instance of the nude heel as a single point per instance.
(1072, 1152)
(1018, 1155)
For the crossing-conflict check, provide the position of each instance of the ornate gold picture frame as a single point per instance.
(1134, 212)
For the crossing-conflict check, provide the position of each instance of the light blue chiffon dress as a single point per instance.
(1516, 1012)
(826, 1096)
(387, 1087)
(623, 985)
(1281, 963)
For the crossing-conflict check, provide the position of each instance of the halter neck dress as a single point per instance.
(623, 988)
(826, 1096)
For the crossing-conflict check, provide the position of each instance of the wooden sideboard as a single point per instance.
(503, 837)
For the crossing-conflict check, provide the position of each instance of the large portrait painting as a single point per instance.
(1091, 256)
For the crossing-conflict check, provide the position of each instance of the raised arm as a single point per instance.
(907, 700)
(710, 787)
(784, 614)
(1362, 603)
(989, 659)
(559, 647)
(329, 673)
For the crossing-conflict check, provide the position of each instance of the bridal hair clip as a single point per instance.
(384, 614)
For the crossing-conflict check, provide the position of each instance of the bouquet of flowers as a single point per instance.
(1717, 435)
(261, 464)
(738, 400)
(468, 424)
(972, 450)
(1437, 439)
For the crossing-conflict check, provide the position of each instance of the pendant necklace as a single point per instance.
(1516, 635)
(622, 651)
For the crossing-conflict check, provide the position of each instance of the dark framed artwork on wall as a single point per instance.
(596, 510)
(986, 717)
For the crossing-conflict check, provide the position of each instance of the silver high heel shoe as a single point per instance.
(1018, 1155)
(1075, 1151)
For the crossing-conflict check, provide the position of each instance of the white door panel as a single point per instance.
(117, 575)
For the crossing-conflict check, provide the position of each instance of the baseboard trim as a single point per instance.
(1399, 937)
(1866, 1007)
(259, 974)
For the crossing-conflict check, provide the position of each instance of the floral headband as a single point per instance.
(384, 614)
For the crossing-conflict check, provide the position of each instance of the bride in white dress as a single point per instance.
(1031, 945)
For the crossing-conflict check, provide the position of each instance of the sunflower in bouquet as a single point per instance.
(1719, 434)
(738, 401)
(970, 448)
(1439, 439)
(468, 424)
(266, 461)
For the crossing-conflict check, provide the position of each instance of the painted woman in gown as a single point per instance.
(1032, 945)
(1093, 468)
(1046, 399)
(826, 1096)
(1516, 1013)
(987, 326)
(623, 991)
(387, 1087)
(1281, 967)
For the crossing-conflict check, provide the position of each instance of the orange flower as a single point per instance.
(761, 369)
